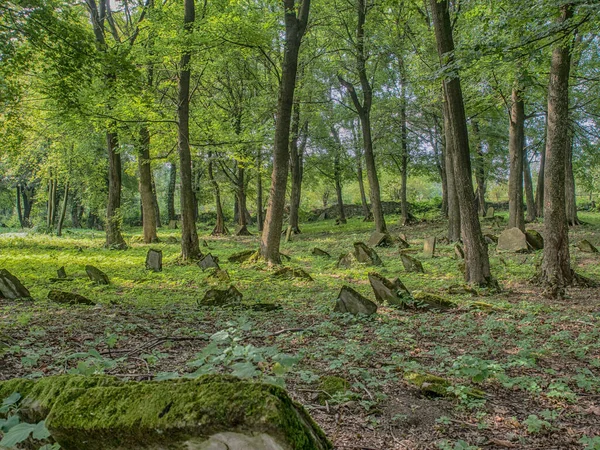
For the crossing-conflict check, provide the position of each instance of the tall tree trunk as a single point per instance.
(294, 30)
(259, 193)
(171, 192)
(479, 170)
(145, 185)
(241, 202)
(477, 265)
(337, 175)
(28, 197)
(155, 203)
(453, 206)
(531, 213)
(516, 141)
(63, 211)
(296, 170)
(220, 227)
(404, 147)
(570, 196)
(114, 238)
(51, 203)
(539, 192)
(19, 208)
(556, 272)
(368, 216)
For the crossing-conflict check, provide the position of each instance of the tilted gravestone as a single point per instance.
(96, 275)
(290, 273)
(350, 301)
(385, 290)
(318, 252)
(534, 239)
(366, 255)
(61, 273)
(402, 243)
(10, 286)
(218, 275)
(490, 213)
(242, 256)
(411, 264)
(429, 247)
(221, 297)
(586, 246)
(68, 298)
(513, 240)
(154, 260)
(209, 262)
(380, 240)
(345, 261)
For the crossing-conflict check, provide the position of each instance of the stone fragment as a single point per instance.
(209, 262)
(68, 298)
(490, 239)
(490, 213)
(586, 246)
(512, 240)
(380, 240)
(291, 273)
(60, 273)
(366, 255)
(218, 275)
(429, 247)
(96, 275)
(345, 261)
(318, 252)
(242, 256)
(411, 264)
(427, 300)
(11, 288)
(221, 297)
(459, 253)
(173, 224)
(393, 292)
(350, 301)
(154, 260)
(534, 239)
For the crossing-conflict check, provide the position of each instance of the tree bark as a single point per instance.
(220, 227)
(295, 27)
(368, 216)
(19, 208)
(477, 265)
(337, 175)
(570, 194)
(63, 211)
(171, 192)
(556, 273)
(259, 193)
(28, 197)
(531, 212)
(539, 192)
(404, 147)
(479, 170)
(145, 186)
(516, 141)
(296, 166)
(453, 206)
(242, 208)
(114, 238)
(155, 202)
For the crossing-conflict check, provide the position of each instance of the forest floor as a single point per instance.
(536, 360)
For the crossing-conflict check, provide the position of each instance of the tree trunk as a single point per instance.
(368, 216)
(294, 30)
(479, 170)
(539, 192)
(453, 207)
(241, 202)
(171, 193)
(516, 141)
(50, 203)
(19, 208)
(259, 193)
(63, 211)
(220, 227)
(337, 175)
(570, 195)
(556, 272)
(145, 185)
(404, 148)
(477, 265)
(296, 170)
(440, 159)
(114, 238)
(155, 202)
(28, 197)
(531, 213)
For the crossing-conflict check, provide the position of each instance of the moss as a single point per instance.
(133, 415)
(486, 307)
(435, 386)
(331, 386)
(432, 301)
(20, 385)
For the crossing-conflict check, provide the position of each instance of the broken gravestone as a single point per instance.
(490, 213)
(10, 287)
(586, 246)
(534, 239)
(221, 297)
(393, 292)
(291, 273)
(241, 257)
(345, 261)
(411, 264)
(429, 247)
(427, 300)
(402, 243)
(96, 275)
(154, 260)
(350, 301)
(512, 240)
(459, 253)
(380, 240)
(366, 255)
(210, 412)
(318, 252)
(218, 275)
(69, 298)
(209, 262)
(61, 273)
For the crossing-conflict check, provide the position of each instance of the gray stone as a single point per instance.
(345, 261)
(209, 262)
(490, 213)
(512, 240)
(459, 253)
(154, 260)
(241, 257)
(429, 247)
(586, 246)
(411, 264)
(60, 273)
(393, 292)
(350, 301)
(490, 239)
(69, 298)
(173, 224)
(380, 240)
(366, 255)
(318, 252)
(221, 297)
(96, 275)
(534, 239)
(11, 288)
(291, 273)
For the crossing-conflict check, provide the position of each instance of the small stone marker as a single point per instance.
(586, 246)
(96, 275)
(411, 264)
(389, 291)
(380, 240)
(350, 301)
(219, 275)
(318, 252)
(345, 261)
(534, 239)
(60, 273)
(459, 253)
(490, 213)
(209, 262)
(402, 243)
(173, 224)
(241, 257)
(290, 273)
(366, 255)
(11, 288)
(429, 247)
(221, 297)
(68, 298)
(512, 240)
(154, 260)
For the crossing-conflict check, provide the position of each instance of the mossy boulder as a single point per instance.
(331, 386)
(246, 255)
(427, 300)
(434, 386)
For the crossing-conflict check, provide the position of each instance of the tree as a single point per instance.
(516, 153)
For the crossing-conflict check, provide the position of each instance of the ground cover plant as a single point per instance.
(520, 372)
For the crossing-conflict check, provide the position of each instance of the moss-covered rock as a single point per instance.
(182, 415)
(431, 301)
(330, 385)
(434, 386)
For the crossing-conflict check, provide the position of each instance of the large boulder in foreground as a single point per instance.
(513, 240)
(211, 412)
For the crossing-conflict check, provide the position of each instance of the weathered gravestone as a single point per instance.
(221, 297)
(68, 298)
(411, 264)
(212, 412)
(61, 273)
(209, 262)
(366, 255)
(429, 247)
(345, 261)
(10, 286)
(490, 213)
(173, 224)
(291, 273)
(534, 239)
(96, 275)
(512, 240)
(394, 292)
(380, 240)
(586, 246)
(318, 252)
(242, 256)
(350, 301)
(154, 260)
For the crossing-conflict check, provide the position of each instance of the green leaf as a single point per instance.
(7, 424)
(40, 431)
(244, 370)
(17, 434)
